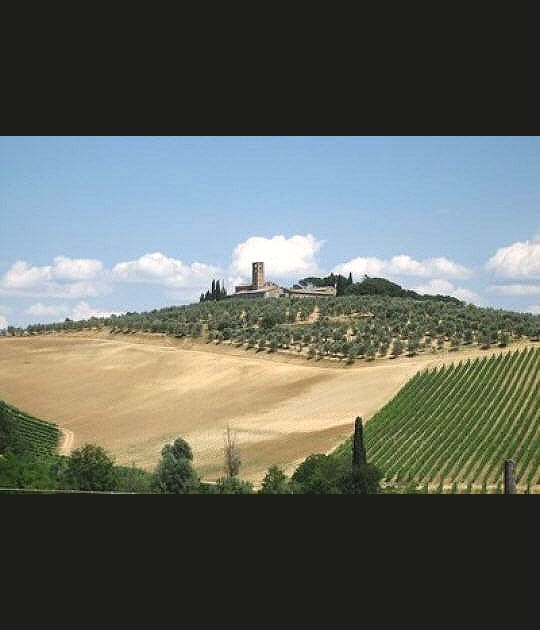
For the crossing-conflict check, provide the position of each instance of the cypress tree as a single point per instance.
(359, 450)
(213, 289)
(359, 459)
(350, 280)
(218, 291)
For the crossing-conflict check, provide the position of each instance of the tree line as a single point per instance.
(91, 468)
(217, 292)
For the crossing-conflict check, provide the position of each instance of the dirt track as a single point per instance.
(131, 395)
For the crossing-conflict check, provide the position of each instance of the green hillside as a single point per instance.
(456, 424)
(346, 328)
(36, 436)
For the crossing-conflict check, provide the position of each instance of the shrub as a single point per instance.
(132, 479)
(26, 471)
(275, 482)
(233, 485)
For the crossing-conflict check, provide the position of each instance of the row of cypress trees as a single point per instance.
(218, 292)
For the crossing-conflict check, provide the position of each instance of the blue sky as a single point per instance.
(110, 224)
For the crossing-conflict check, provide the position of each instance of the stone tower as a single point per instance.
(257, 275)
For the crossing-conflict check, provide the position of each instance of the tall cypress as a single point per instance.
(359, 449)
(213, 289)
(218, 291)
(350, 280)
(359, 458)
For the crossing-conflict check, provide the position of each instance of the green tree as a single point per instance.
(24, 470)
(174, 473)
(233, 485)
(269, 320)
(174, 476)
(133, 479)
(179, 449)
(275, 482)
(397, 348)
(90, 468)
(412, 346)
(319, 474)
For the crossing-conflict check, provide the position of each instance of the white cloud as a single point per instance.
(444, 287)
(84, 311)
(403, 265)
(44, 310)
(72, 269)
(3, 322)
(156, 268)
(65, 278)
(515, 289)
(283, 257)
(56, 312)
(534, 309)
(519, 260)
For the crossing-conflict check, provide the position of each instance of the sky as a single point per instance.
(99, 225)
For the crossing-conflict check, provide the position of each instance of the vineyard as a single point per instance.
(451, 428)
(40, 437)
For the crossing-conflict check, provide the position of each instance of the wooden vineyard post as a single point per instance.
(509, 479)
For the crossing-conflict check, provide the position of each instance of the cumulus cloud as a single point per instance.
(47, 310)
(84, 311)
(403, 265)
(283, 257)
(156, 268)
(519, 260)
(515, 289)
(64, 278)
(444, 287)
(72, 269)
(3, 322)
(56, 312)
(534, 309)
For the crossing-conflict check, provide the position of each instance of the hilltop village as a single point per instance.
(259, 288)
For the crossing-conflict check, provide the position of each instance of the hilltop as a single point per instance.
(368, 322)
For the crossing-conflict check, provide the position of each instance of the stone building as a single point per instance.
(259, 288)
(311, 292)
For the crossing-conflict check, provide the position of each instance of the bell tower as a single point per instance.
(257, 275)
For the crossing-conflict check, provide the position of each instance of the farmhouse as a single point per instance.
(259, 288)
